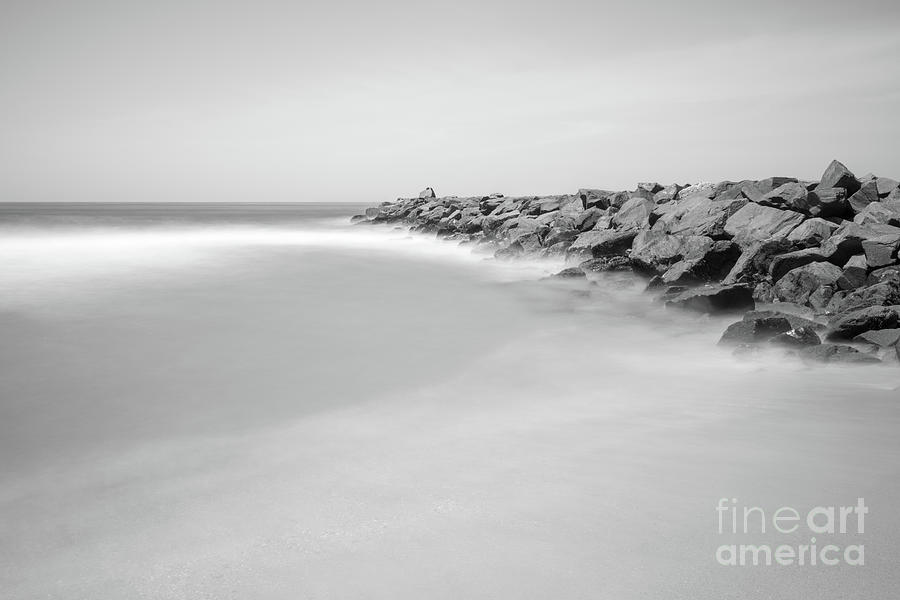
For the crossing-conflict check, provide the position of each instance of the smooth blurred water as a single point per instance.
(262, 401)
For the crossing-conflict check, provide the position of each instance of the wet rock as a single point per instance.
(854, 275)
(606, 242)
(883, 338)
(839, 176)
(783, 263)
(755, 260)
(569, 273)
(836, 353)
(715, 299)
(797, 315)
(756, 223)
(704, 263)
(812, 232)
(606, 263)
(867, 319)
(798, 284)
(797, 338)
(752, 331)
(886, 293)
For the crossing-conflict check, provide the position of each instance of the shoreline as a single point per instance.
(819, 258)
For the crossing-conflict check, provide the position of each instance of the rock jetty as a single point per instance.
(819, 259)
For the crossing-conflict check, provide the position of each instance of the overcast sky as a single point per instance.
(370, 100)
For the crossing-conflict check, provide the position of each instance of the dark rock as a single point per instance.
(839, 176)
(886, 293)
(592, 198)
(847, 240)
(822, 297)
(798, 316)
(867, 319)
(835, 353)
(783, 263)
(653, 251)
(587, 219)
(825, 202)
(854, 275)
(764, 292)
(811, 232)
(705, 263)
(715, 299)
(569, 273)
(756, 223)
(667, 194)
(606, 263)
(754, 262)
(798, 284)
(884, 275)
(799, 337)
(883, 338)
(605, 242)
(426, 193)
(865, 196)
(754, 330)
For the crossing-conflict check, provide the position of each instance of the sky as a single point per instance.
(367, 101)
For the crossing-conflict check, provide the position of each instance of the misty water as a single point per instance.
(266, 402)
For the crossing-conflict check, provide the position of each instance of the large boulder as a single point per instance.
(799, 284)
(653, 251)
(756, 223)
(593, 198)
(789, 261)
(754, 262)
(881, 213)
(856, 322)
(824, 202)
(704, 263)
(634, 214)
(790, 195)
(854, 274)
(602, 242)
(811, 232)
(886, 185)
(839, 176)
(753, 331)
(426, 193)
(715, 299)
(588, 219)
(865, 196)
(886, 293)
(881, 250)
(847, 240)
(883, 338)
(837, 353)
(695, 215)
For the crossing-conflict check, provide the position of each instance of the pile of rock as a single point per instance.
(821, 254)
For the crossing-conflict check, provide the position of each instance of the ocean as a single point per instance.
(264, 401)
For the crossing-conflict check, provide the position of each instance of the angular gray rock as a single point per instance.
(634, 213)
(854, 275)
(883, 338)
(756, 223)
(426, 193)
(799, 284)
(605, 242)
(825, 202)
(865, 196)
(867, 319)
(812, 232)
(881, 250)
(838, 175)
(783, 263)
(753, 331)
(715, 299)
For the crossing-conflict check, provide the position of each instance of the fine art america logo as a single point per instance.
(817, 527)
